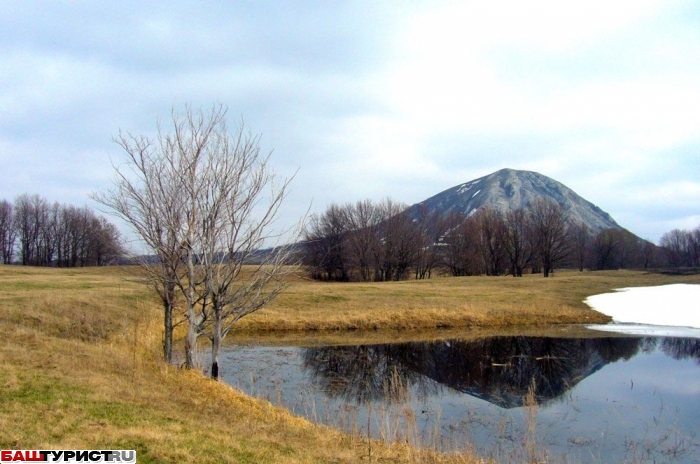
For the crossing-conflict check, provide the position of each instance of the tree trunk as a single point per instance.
(191, 347)
(216, 344)
(191, 360)
(168, 332)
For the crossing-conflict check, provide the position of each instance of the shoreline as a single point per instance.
(84, 348)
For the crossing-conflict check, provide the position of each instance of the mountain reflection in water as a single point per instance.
(607, 399)
(498, 369)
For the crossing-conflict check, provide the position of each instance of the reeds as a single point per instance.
(530, 441)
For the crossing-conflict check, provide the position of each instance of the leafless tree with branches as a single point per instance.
(204, 199)
(550, 233)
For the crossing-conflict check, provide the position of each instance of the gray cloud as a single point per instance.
(368, 99)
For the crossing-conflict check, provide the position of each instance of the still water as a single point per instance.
(571, 400)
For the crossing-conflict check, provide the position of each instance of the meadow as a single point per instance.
(445, 302)
(81, 367)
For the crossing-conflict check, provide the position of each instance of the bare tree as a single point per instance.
(492, 240)
(363, 222)
(397, 242)
(460, 245)
(325, 243)
(431, 229)
(239, 199)
(694, 245)
(27, 214)
(631, 250)
(648, 254)
(549, 233)
(518, 245)
(196, 197)
(606, 249)
(580, 243)
(105, 242)
(677, 246)
(7, 232)
(147, 196)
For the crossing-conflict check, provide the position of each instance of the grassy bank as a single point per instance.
(81, 366)
(446, 303)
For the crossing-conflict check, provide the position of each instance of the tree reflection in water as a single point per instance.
(644, 409)
(498, 369)
(367, 373)
(681, 348)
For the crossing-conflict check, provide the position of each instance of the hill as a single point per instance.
(510, 189)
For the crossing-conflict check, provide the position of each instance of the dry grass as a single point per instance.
(80, 360)
(81, 369)
(445, 303)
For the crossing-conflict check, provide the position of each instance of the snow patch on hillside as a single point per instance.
(663, 310)
(464, 188)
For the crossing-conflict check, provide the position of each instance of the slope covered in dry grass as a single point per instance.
(81, 367)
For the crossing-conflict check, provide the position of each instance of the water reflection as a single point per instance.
(498, 369)
(368, 373)
(611, 399)
(680, 348)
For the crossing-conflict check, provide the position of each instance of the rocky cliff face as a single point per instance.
(510, 189)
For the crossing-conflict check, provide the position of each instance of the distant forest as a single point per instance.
(35, 232)
(369, 241)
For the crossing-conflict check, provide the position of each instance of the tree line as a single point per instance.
(368, 241)
(35, 232)
(682, 247)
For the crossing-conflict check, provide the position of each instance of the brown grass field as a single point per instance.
(80, 362)
(446, 302)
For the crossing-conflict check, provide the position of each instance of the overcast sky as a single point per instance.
(368, 99)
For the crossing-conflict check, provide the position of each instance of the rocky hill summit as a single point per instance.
(510, 189)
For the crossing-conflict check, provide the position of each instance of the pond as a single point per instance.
(600, 398)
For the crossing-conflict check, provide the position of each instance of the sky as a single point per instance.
(368, 99)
